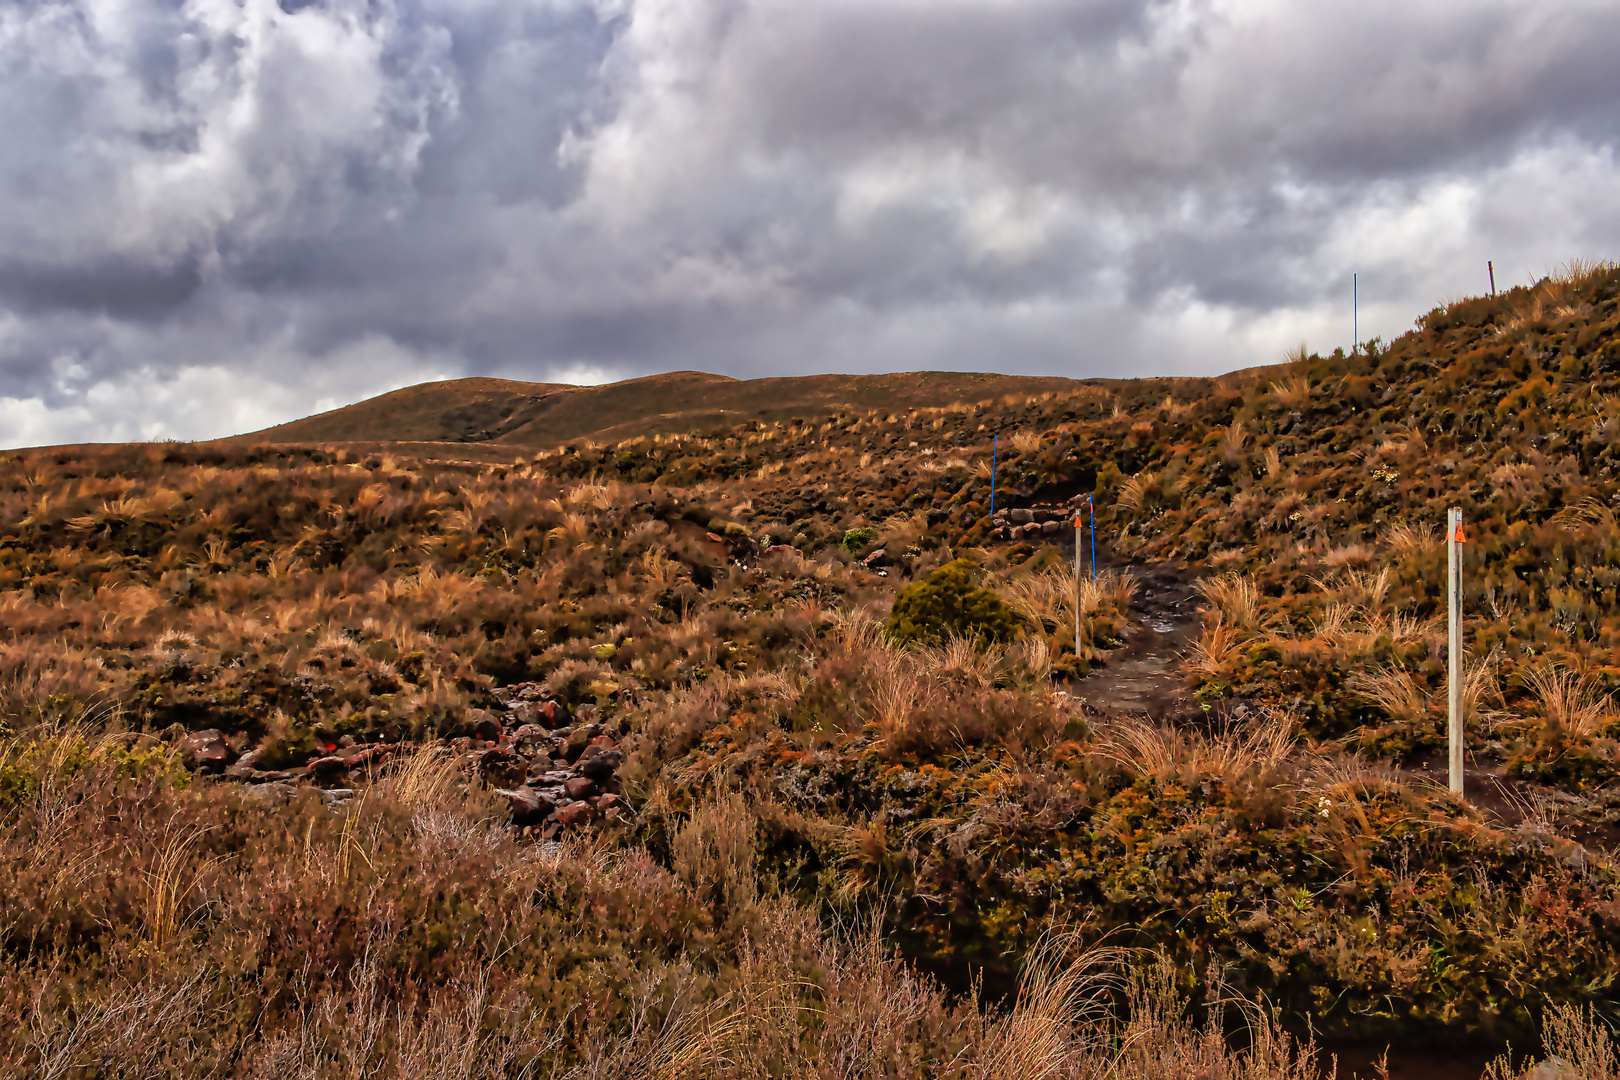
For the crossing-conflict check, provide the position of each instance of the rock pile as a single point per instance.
(1041, 520)
(556, 768)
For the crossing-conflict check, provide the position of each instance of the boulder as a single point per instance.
(600, 765)
(529, 807)
(485, 726)
(501, 765)
(331, 765)
(245, 766)
(1051, 528)
(781, 549)
(574, 814)
(531, 739)
(366, 755)
(580, 787)
(1021, 517)
(205, 750)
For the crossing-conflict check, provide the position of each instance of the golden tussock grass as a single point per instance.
(1233, 600)
(1569, 700)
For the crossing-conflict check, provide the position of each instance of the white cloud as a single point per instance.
(216, 215)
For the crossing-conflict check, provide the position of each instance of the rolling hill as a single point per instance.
(521, 414)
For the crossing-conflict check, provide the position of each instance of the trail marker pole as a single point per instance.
(1078, 521)
(1454, 543)
(1355, 313)
(1093, 507)
(1491, 270)
(995, 442)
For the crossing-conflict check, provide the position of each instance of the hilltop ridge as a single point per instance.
(523, 414)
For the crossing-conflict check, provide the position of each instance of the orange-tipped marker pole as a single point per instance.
(1078, 523)
(1454, 675)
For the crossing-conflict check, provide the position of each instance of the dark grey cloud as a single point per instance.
(218, 214)
(115, 285)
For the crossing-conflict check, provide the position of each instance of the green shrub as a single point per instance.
(949, 603)
(856, 539)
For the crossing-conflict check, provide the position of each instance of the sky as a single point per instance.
(217, 215)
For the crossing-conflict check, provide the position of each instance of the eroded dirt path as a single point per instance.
(1144, 677)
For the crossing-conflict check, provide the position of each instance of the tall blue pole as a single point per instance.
(1090, 502)
(1355, 313)
(995, 441)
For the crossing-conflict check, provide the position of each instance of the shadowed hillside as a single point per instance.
(545, 414)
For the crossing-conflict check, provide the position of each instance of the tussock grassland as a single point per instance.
(804, 807)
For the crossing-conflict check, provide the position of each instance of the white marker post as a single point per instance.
(1454, 543)
(1077, 565)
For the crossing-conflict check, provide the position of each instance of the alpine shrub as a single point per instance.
(948, 603)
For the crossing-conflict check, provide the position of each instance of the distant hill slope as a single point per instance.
(501, 411)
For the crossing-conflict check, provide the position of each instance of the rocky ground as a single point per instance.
(555, 767)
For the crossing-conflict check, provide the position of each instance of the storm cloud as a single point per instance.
(220, 214)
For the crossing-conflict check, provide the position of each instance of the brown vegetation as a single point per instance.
(812, 815)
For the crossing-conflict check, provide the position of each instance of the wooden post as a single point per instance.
(1490, 268)
(1454, 542)
(1077, 564)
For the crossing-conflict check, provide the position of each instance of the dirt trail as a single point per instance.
(1144, 676)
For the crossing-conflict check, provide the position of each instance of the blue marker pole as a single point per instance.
(995, 441)
(1355, 313)
(1093, 506)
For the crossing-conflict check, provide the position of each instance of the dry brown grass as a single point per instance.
(1354, 556)
(1233, 441)
(1064, 990)
(170, 893)
(1217, 645)
(1292, 393)
(1049, 598)
(419, 778)
(1572, 701)
(1364, 589)
(1273, 459)
(713, 852)
(1400, 695)
(1409, 539)
(1143, 490)
(1164, 752)
(1025, 441)
(1578, 1044)
(1234, 601)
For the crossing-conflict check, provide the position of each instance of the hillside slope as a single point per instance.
(455, 410)
(673, 649)
(546, 414)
